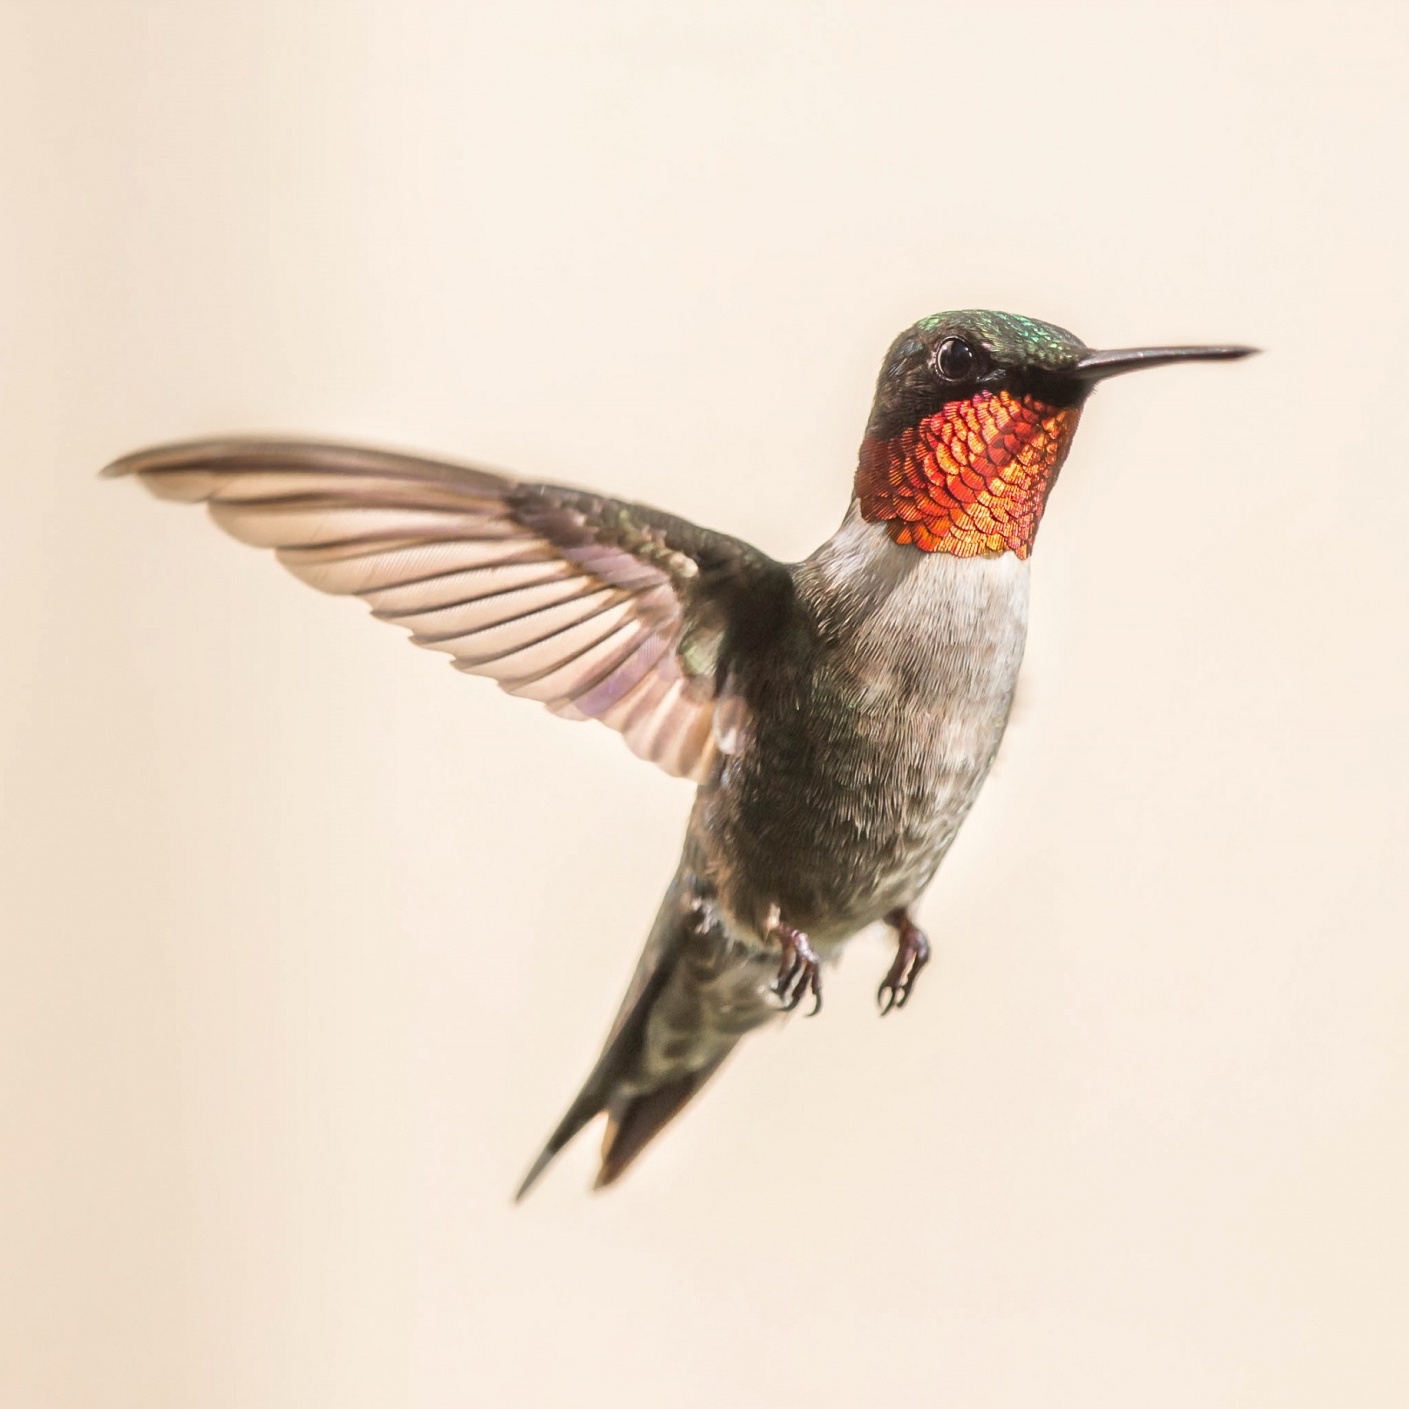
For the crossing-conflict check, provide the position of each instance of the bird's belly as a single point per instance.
(858, 775)
(838, 817)
(857, 852)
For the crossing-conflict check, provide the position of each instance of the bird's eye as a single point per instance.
(955, 360)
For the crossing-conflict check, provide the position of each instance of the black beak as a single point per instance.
(1094, 366)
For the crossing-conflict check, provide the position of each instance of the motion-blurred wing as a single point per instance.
(600, 609)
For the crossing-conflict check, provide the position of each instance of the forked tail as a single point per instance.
(694, 994)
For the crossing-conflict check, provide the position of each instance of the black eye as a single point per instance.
(955, 360)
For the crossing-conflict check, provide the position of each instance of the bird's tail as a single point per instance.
(691, 999)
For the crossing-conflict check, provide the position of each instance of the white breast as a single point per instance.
(918, 678)
(920, 625)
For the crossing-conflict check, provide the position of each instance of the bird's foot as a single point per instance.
(799, 972)
(911, 955)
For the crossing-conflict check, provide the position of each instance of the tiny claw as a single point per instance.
(911, 955)
(787, 972)
(799, 972)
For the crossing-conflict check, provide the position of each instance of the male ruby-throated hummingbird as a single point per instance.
(838, 714)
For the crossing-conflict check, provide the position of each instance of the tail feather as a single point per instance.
(620, 1055)
(634, 1121)
(625, 1041)
(691, 999)
(588, 1105)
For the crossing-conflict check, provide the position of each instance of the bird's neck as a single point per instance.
(869, 595)
(972, 479)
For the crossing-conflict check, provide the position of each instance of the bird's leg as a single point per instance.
(911, 955)
(799, 971)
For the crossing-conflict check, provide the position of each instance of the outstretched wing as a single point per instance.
(600, 609)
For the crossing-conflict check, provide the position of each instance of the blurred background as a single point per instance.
(307, 941)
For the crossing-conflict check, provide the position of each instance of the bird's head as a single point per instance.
(973, 416)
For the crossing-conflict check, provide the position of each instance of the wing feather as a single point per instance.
(580, 602)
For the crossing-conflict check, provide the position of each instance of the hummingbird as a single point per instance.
(838, 715)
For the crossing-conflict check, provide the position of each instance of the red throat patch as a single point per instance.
(972, 479)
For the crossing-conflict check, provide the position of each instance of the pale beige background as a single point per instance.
(308, 940)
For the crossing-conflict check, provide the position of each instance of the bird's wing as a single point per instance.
(598, 608)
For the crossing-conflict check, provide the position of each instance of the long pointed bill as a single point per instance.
(1095, 366)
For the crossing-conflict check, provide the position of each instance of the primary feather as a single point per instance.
(584, 603)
